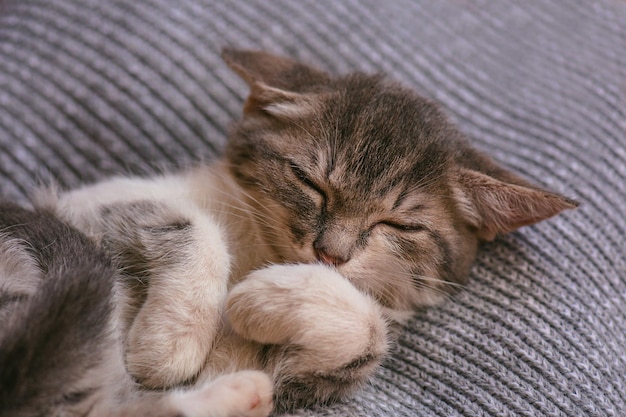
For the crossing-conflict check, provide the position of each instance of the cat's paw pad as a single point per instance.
(161, 355)
(241, 394)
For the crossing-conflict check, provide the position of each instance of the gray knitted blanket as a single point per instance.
(90, 88)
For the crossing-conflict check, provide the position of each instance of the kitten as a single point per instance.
(60, 351)
(341, 204)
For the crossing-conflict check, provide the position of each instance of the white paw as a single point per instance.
(310, 305)
(240, 394)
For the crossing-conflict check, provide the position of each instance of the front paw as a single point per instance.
(241, 394)
(162, 352)
(311, 306)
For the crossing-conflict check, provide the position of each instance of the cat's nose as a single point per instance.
(324, 256)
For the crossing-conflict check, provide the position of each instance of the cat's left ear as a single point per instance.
(279, 86)
(496, 206)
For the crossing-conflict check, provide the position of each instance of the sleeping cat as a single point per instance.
(341, 204)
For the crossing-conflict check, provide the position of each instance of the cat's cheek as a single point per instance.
(386, 278)
(286, 226)
(304, 254)
(271, 222)
(297, 245)
(369, 268)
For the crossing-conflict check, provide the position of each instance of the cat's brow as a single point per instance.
(402, 199)
(416, 208)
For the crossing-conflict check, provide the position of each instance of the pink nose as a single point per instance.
(329, 259)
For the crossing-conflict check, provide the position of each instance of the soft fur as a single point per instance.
(60, 350)
(341, 205)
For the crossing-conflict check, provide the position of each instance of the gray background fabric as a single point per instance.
(89, 88)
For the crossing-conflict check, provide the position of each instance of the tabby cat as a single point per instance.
(341, 204)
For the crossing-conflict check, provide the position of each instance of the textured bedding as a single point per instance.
(90, 88)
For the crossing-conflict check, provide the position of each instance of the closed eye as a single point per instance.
(404, 227)
(305, 180)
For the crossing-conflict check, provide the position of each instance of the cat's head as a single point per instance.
(364, 174)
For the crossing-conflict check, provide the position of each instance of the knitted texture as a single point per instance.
(90, 88)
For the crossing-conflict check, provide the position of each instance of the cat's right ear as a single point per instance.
(280, 87)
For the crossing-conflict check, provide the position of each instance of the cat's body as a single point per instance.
(341, 205)
(190, 229)
(61, 345)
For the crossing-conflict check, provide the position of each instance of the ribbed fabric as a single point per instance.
(90, 88)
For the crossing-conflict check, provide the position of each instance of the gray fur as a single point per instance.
(60, 328)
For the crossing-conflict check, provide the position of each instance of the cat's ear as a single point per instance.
(279, 86)
(496, 206)
(272, 70)
(281, 103)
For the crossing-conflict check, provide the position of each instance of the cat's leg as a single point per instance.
(160, 238)
(179, 251)
(324, 337)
